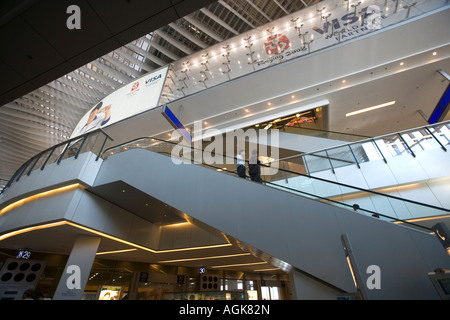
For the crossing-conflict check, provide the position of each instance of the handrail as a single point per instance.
(297, 173)
(158, 140)
(322, 199)
(326, 131)
(372, 139)
(67, 143)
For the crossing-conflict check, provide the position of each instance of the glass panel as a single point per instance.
(290, 175)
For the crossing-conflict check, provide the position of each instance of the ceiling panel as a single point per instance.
(28, 53)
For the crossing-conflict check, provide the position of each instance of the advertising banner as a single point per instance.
(138, 96)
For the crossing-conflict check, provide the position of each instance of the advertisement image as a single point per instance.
(138, 96)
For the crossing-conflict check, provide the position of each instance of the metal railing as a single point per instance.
(382, 148)
(381, 206)
(93, 141)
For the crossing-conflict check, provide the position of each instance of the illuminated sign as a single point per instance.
(442, 108)
(23, 254)
(168, 114)
(110, 293)
(136, 97)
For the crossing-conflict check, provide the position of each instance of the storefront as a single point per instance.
(124, 280)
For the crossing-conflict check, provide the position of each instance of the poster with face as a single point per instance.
(138, 96)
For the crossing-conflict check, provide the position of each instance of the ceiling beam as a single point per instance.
(203, 28)
(218, 20)
(250, 2)
(188, 35)
(174, 42)
(147, 55)
(164, 51)
(282, 8)
(226, 5)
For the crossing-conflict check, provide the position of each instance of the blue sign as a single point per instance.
(442, 108)
(173, 120)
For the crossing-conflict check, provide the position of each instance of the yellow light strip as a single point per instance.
(102, 234)
(180, 224)
(425, 219)
(239, 265)
(116, 251)
(142, 247)
(39, 195)
(271, 269)
(74, 186)
(205, 258)
(370, 108)
(25, 230)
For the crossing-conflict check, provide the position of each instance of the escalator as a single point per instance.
(297, 226)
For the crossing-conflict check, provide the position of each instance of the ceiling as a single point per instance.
(52, 74)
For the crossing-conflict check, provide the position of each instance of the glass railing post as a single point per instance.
(440, 143)
(306, 165)
(407, 145)
(81, 145)
(354, 157)
(48, 158)
(64, 151)
(25, 166)
(103, 145)
(34, 163)
(379, 150)
(329, 160)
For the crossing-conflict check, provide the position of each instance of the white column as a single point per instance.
(76, 273)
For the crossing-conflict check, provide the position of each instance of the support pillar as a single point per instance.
(76, 272)
(305, 287)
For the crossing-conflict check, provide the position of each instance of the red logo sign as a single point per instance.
(276, 43)
(135, 86)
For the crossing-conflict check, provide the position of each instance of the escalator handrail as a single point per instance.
(367, 140)
(294, 191)
(297, 173)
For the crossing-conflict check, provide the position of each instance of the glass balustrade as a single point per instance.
(381, 148)
(291, 175)
(91, 142)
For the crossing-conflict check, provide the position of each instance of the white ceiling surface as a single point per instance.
(406, 73)
(47, 116)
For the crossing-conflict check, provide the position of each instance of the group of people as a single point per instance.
(254, 166)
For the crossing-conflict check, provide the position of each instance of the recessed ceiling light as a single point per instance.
(402, 63)
(370, 108)
(434, 53)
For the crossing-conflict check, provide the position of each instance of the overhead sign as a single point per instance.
(177, 125)
(136, 97)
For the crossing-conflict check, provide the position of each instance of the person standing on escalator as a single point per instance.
(254, 167)
(240, 164)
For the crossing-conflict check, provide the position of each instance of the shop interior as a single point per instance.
(127, 280)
